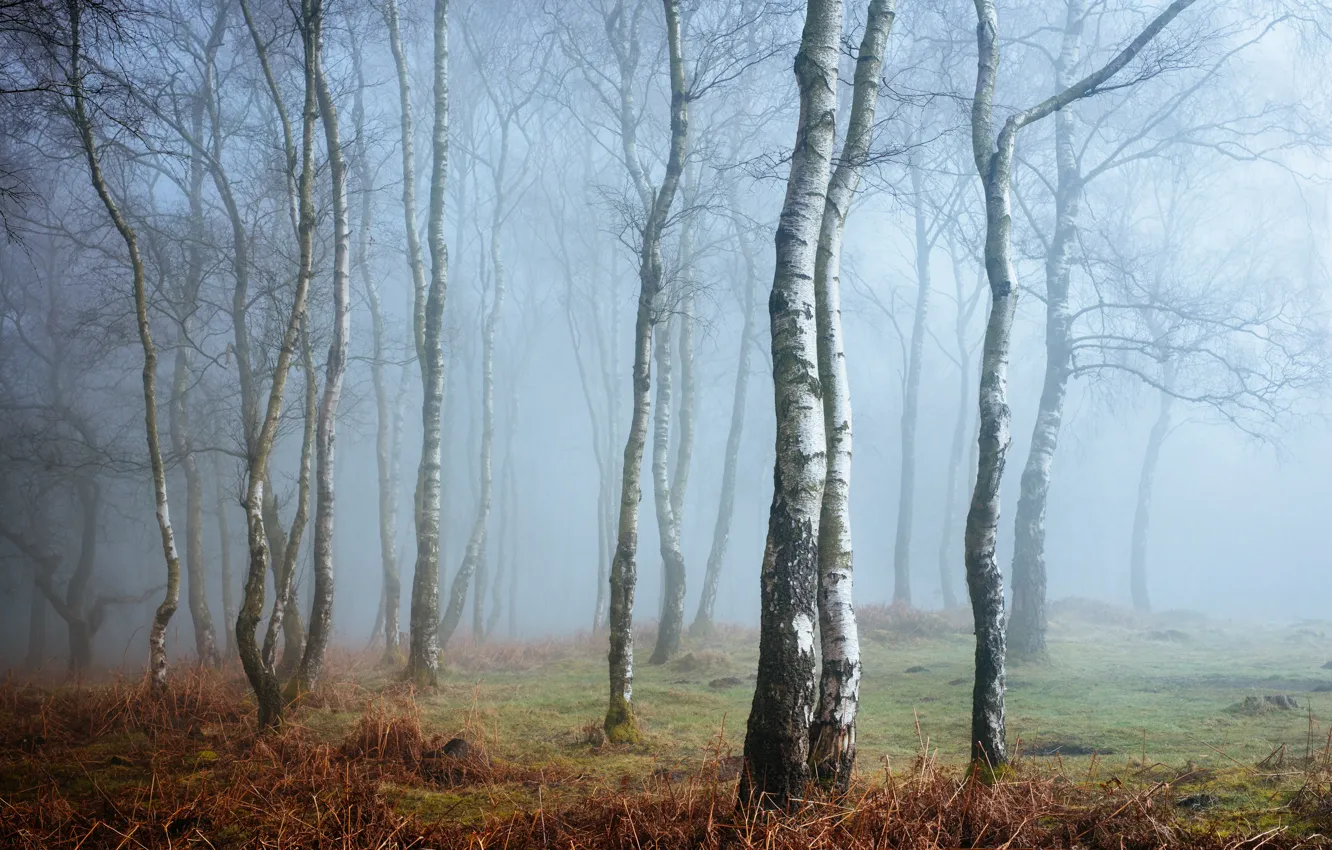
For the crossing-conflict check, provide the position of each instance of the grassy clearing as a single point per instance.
(1139, 693)
(1134, 718)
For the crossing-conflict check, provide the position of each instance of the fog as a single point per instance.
(1203, 244)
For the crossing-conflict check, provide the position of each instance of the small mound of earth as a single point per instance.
(957, 682)
(1323, 688)
(695, 662)
(1198, 802)
(1062, 748)
(725, 682)
(447, 764)
(1254, 705)
(918, 669)
(1168, 635)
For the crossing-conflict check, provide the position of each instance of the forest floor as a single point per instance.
(1139, 732)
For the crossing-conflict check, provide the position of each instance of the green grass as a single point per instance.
(1140, 701)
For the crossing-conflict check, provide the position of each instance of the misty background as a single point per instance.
(1228, 205)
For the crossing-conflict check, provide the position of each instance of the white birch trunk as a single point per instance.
(259, 668)
(321, 612)
(832, 735)
(619, 724)
(423, 651)
(157, 658)
(777, 736)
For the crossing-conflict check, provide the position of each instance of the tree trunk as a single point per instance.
(293, 626)
(36, 628)
(984, 578)
(1027, 626)
(619, 724)
(76, 592)
(224, 557)
(721, 531)
(1142, 601)
(205, 637)
(777, 738)
(423, 652)
(284, 591)
(668, 628)
(906, 500)
(673, 599)
(832, 735)
(157, 660)
(259, 668)
(474, 559)
(510, 487)
(955, 454)
(391, 592)
(321, 612)
(994, 159)
(506, 530)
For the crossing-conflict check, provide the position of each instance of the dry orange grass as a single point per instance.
(119, 767)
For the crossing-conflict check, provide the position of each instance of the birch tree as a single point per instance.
(260, 667)
(423, 652)
(321, 614)
(619, 724)
(993, 154)
(1148, 133)
(832, 735)
(777, 736)
(387, 414)
(669, 489)
(508, 100)
(721, 534)
(157, 657)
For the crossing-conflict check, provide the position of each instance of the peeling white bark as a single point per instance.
(832, 736)
(777, 736)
